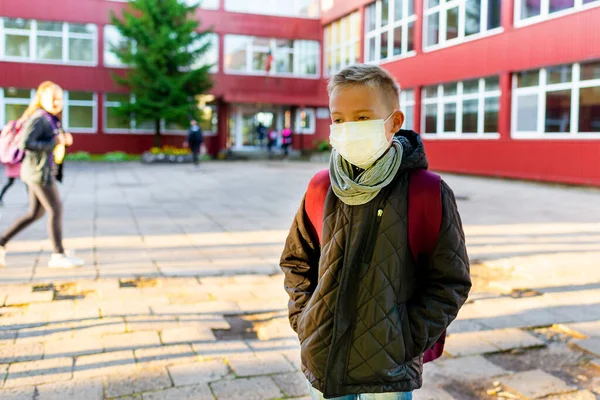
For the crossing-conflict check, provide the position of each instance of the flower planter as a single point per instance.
(161, 158)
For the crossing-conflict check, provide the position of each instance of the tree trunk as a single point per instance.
(157, 136)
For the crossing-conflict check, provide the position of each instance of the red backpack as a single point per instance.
(424, 220)
(10, 153)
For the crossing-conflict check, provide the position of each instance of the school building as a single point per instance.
(496, 87)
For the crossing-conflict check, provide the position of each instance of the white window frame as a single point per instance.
(188, 2)
(17, 101)
(65, 35)
(404, 22)
(105, 106)
(440, 100)
(346, 46)
(540, 90)
(271, 9)
(85, 103)
(311, 115)
(545, 12)
(251, 49)
(407, 99)
(442, 9)
(133, 130)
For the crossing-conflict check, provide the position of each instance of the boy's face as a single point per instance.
(363, 103)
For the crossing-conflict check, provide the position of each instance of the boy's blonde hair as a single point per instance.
(367, 75)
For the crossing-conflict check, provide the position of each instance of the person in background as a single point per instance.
(261, 132)
(41, 134)
(286, 140)
(194, 141)
(12, 172)
(272, 141)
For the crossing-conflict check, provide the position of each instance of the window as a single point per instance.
(211, 57)
(204, 4)
(462, 109)
(557, 102)
(389, 29)
(80, 112)
(407, 106)
(453, 21)
(342, 43)
(13, 102)
(529, 11)
(287, 8)
(112, 121)
(48, 42)
(306, 121)
(262, 56)
(112, 40)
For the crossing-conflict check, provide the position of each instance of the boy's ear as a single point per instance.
(398, 119)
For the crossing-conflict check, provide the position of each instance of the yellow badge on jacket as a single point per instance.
(59, 153)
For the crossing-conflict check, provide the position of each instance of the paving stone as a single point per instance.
(30, 297)
(140, 380)
(88, 389)
(38, 372)
(430, 392)
(591, 345)
(247, 389)
(21, 352)
(467, 344)
(118, 362)
(122, 308)
(99, 327)
(508, 339)
(471, 368)
(535, 384)
(293, 384)
(200, 372)
(25, 393)
(213, 321)
(187, 335)
(136, 340)
(53, 331)
(579, 395)
(151, 323)
(206, 307)
(582, 330)
(197, 392)
(221, 349)
(167, 355)
(79, 346)
(262, 364)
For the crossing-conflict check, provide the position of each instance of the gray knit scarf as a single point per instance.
(360, 189)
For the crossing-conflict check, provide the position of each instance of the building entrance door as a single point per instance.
(244, 132)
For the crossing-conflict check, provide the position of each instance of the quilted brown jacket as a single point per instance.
(364, 311)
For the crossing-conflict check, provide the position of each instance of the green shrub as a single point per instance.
(116, 156)
(79, 156)
(323, 146)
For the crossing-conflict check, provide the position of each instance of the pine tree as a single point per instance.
(161, 46)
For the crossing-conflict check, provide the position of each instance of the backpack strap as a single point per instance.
(314, 202)
(424, 223)
(424, 211)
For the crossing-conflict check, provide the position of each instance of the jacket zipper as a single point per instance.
(369, 246)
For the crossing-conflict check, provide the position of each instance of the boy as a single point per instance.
(364, 311)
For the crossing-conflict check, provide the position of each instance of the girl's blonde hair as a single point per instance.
(36, 103)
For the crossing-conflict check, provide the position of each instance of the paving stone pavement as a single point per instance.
(181, 296)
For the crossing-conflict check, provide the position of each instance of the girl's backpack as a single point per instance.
(10, 153)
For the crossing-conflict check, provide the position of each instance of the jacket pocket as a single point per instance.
(409, 346)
